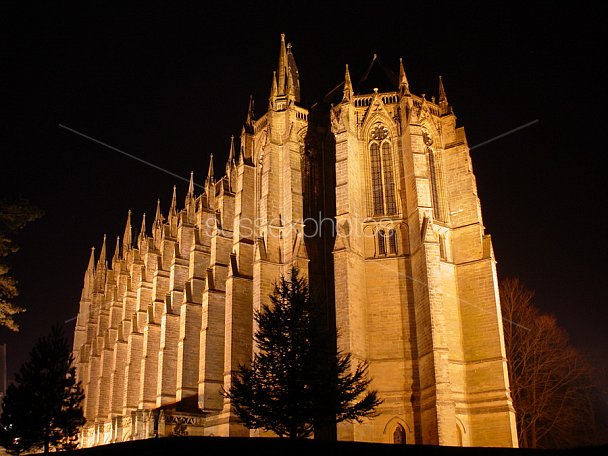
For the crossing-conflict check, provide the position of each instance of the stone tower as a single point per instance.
(416, 291)
(373, 198)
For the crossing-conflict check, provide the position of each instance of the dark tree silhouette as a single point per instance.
(14, 216)
(288, 385)
(42, 408)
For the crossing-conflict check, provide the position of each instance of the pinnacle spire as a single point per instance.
(443, 99)
(157, 225)
(231, 152)
(173, 208)
(91, 266)
(285, 80)
(230, 163)
(348, 86)
(89, 275)
(273, 88)
(283, 68)
(158, 218)
(404, 86)
(210, 177)
(293, 79)
(102, 253)
(142, 230)
(190, 201)
(127, 240)
(191, 184)
(249, 118)
(116, 250)
(141, 237)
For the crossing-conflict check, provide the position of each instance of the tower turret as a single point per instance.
(285, 89)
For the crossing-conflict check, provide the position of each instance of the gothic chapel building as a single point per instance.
(371, 194)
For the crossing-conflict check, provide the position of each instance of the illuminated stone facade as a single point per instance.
(372, 195)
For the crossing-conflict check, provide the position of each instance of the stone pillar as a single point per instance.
(117, 381)
(149, 364)
(188, 348)
(133, 377)
(167, 356)
(212, 344)
(107, 357)
(92, 389)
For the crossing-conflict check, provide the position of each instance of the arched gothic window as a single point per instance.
(389, 181)
(399, 435)
(381, 243)
(387, 242)
(377, 191)
(384, 201)
(392, 242)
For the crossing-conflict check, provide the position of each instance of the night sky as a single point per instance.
(170, 85)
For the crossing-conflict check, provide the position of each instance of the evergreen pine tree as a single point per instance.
(290, 382)
(42, 408)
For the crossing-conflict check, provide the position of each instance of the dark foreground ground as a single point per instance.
(191, 446)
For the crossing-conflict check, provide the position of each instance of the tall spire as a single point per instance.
(173, 208)
(172, 216)
(157, 225)
(127, 239)
(190, 203)
(293, 76)
(230, 160)
(348, 86)
(443, 99)
(210, 177)
(102, 254)
(116, 256)
(282, 68)
(142, 236)
(91, 266)
(142, 230)
(158, 217)
(89, 275)
(250, 116)
(273, 89)
(230, 163)
(191, 185)
(210, 184)
(285, 88)
(404, 87)
(190, 194)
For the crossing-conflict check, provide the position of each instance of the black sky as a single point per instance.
(170, 85)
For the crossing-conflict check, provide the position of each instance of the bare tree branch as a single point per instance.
(551, 382)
